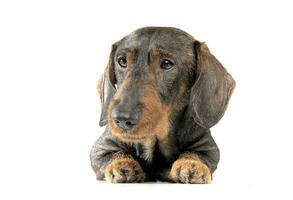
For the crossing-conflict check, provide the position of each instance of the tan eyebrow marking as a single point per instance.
(157, 53)
(162, 52)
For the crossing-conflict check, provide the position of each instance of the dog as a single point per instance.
(161, 93)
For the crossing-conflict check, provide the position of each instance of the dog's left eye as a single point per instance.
(122, 62)
(167, 64)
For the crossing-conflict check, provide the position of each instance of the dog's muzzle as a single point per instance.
(127, 113)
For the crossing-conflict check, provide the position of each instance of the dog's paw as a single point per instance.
(124, 170)
(190, 169)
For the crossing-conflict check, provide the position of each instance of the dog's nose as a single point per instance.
(125, 119)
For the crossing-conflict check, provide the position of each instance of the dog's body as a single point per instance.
(161, 92)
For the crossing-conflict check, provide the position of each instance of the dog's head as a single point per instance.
(155, 73)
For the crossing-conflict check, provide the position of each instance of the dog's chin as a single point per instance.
(131, 137)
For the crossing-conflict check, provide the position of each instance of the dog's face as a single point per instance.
(155, 73)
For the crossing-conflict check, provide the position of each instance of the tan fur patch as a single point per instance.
(189, 168)
(124, 169)
(148, 150)
(156, 113)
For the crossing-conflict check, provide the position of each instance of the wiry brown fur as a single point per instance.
(124, 169)
(189, 168)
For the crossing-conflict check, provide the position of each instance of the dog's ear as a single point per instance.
(106, 87)
(212, 88)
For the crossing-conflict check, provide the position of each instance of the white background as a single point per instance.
(52, 52)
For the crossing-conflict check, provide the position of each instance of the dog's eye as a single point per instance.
(122, 62)
(167, 64)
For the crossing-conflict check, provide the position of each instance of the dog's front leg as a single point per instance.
(195, 164)
(111, 162)
(189, 168)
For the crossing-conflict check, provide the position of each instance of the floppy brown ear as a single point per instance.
(212, 89)
(106, 87)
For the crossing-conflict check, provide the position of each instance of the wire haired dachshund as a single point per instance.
(161, 93)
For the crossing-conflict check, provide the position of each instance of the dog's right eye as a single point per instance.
(167, 64)
(122, 62)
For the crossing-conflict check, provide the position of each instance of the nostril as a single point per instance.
(124, 120)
